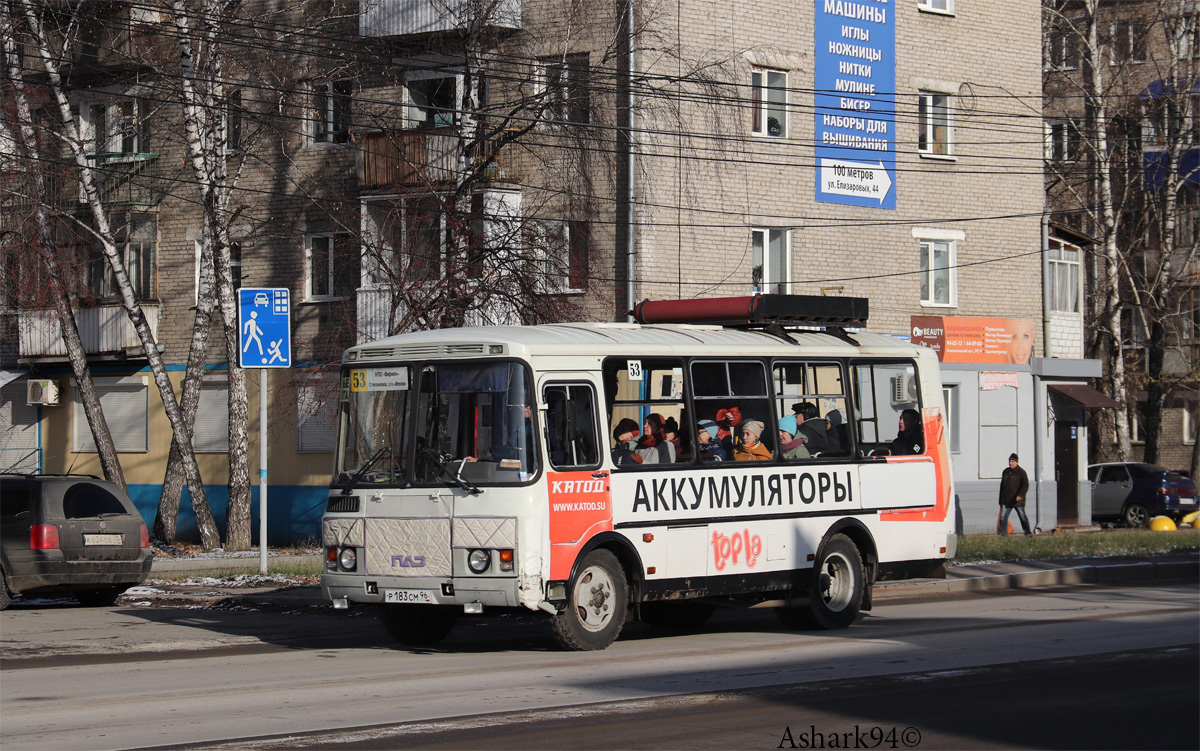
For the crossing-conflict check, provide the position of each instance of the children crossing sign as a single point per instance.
(265, 326)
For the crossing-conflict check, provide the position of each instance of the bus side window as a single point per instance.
(814, 394)
(883, 391)
(734, 394)
(638, 389)
(571, 426)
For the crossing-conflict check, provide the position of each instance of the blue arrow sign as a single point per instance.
(265, 326)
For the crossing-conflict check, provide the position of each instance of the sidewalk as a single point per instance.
(980, 577)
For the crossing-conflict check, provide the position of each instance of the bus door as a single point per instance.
(580, 502)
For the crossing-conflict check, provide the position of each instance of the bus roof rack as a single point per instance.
(757, 311)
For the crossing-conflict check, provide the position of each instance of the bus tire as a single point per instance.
(417, 625)
(597, 601)
(680, 616)
(837, 588)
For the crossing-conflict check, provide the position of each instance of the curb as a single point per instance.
(1122, 573)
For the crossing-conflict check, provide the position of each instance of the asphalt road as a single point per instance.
(1098, 667)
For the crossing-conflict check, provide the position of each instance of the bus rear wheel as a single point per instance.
(597, 601)
(837, 589)
(417, 625)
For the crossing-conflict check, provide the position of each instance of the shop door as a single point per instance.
(1066, 471)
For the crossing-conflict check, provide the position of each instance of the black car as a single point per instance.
(69, 533)
(1136, 493)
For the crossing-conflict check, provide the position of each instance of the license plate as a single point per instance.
(423, 596)
(1187, 500)
(108, 539)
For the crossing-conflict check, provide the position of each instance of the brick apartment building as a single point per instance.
(567, 160)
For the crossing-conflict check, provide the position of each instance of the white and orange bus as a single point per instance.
(478, 470)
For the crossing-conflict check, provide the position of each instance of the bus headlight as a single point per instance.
(479, 560)
(348, 559)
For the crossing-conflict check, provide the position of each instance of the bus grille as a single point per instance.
(342, 504)
(408, 547)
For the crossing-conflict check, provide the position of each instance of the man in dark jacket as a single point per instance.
(1014, 484)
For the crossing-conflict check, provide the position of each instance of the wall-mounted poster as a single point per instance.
(985, 340)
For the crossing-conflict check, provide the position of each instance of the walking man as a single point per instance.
(1014, 484)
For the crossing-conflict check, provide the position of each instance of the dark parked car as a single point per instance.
(1136, 493)
(69, 533)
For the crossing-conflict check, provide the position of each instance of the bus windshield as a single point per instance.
(466, 424)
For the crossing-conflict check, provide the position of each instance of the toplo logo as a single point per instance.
(742, 545)
(408, 561)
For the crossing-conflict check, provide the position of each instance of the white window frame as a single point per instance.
(762, 106)
(235, 262)
(411, 120)
(561, 94)
(944, 7)
(1187, 35)
(1188, 418)
(329, 131)
(126, 404)
(1064, 141)
(927, 123)
(316, 413)
(950, 398)
(1064, 48)
(1065, 274)
(773, 280)
(328, 269)
(116, 123)
(126, 242)
(1121, 25)
(928, 272)
(554, 245)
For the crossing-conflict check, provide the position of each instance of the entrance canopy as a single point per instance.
(1084, 395)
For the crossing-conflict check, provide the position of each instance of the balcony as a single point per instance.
(427, 157)
(127, 179)
(105, 330)
(397, 18)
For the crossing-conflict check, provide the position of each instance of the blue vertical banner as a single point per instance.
(855, 77)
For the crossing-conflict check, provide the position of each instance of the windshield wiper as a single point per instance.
(454, 477)
(364, 469)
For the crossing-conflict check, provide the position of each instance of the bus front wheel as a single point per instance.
(837, 589)
(597, 601)
(417, 625)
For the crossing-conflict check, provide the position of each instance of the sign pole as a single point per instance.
(262, 471)
(265, 336)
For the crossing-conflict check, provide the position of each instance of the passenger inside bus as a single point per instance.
(836, 432)
(911, 440)
(709, 447)
(625, 435)
(811, 426)
(653, 446)
(752, 448)
(791, 446)
(728, 421)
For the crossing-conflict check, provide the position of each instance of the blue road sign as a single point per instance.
(265, 326)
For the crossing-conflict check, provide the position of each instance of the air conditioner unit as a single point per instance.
(904, 389)
(41, 391)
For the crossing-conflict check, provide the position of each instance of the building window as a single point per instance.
(235, 267)
(117, 127)
(1191, 313)
(1064, 277)
(1191, 418)
(566, 89)
(933, 123)
(316, 413)
(331, 267)
(432, 100)
(331, 111)
(770, 267)
(1065, 140)
(10, 273)
(1188, 37)
(938, 277)
(768, 98)
(1128, 42)
(233, 121)
(939, 6)
(126, 405)
(1064, 47)
(563, 256)
(136, 239)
